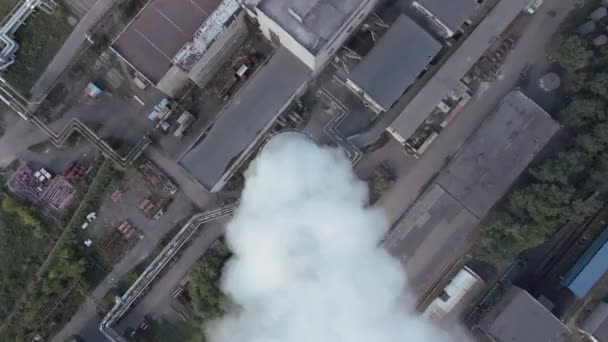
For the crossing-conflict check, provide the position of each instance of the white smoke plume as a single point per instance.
(306, 265)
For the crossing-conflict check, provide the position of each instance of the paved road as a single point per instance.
(70, 49)
(414, 174)
(157, 301)
(18, 136)
(86, 320)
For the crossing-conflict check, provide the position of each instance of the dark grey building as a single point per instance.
(449, 15)
(246, 119)
(518, 317)
(396, 61)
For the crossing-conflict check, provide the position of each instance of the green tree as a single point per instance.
(545, 205)
(598, 175)
(599, 84)
(208, 301)
(589, 143)
(570, 52)
(562, 169)
(582, 111)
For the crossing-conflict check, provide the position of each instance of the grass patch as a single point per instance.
(6, 6)
(39, 38)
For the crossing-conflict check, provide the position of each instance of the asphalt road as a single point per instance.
(70, 48)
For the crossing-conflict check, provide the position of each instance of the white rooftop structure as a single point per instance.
(311, 29)
(454, 292)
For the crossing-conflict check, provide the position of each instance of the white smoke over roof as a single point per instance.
(307, 266)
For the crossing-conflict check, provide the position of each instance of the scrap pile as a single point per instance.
(74, 172)
(119, 241)
(153, 208)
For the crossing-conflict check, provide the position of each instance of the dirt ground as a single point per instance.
(111, 214)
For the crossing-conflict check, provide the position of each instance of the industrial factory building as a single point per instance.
(173, 41)
(395, 62)
(437, 229)
(449, 76)
(589, 269)
(518, 317)
(446, 16)
(246, 119)
(313, 30)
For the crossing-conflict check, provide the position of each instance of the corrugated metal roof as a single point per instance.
(589, 268)
(395, 62)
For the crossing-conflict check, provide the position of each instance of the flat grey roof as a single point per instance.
(518, 317)
(321, 19)
(246, 117)
(494, 156)
(159, 32)
(452, 13)
(395, 62)
(450, 73)
(430, 235)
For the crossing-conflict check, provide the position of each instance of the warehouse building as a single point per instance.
(589, 268)
(313, 30)
(173, 41)
(395, 62)
(429, 236)
(437, 229)
(449, 75)
(246, 119)
(502, 147)
(446, 16)
(518, 317)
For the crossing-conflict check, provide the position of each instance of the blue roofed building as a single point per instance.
(590, 268)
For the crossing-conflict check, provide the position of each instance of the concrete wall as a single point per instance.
(396, 135)
(267, 25)
(443, 29)
(377, 108)
(220, 50)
